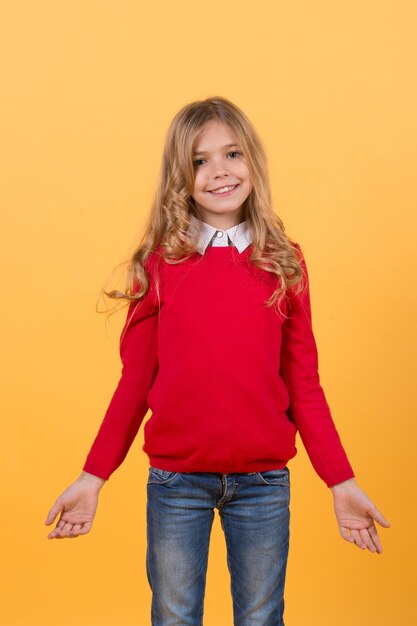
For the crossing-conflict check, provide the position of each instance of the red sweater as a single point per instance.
(228, 381)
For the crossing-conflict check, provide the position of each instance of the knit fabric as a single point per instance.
(229, 382)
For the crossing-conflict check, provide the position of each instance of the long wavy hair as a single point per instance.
(169, 217)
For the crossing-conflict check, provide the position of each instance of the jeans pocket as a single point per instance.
(276, 477)
(160, 476)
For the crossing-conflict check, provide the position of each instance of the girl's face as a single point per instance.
(222, 180)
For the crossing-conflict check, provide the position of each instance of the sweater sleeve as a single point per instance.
(308, 407)
(128, 406)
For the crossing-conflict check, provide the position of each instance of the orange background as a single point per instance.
(88, 90)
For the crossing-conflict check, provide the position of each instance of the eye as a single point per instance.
(198, 162)
(235, 152)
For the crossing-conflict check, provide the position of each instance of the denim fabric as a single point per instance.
(254, 513)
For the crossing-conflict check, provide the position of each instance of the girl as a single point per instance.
(218, 343)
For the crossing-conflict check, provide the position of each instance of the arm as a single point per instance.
(128, 406)
(355, 512)
(308, 406)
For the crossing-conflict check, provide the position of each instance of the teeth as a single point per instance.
(224, 189)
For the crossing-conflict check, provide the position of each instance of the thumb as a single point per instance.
(378, 517)
(55, 510)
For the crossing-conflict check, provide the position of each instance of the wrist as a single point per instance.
(91, 479)
(343, 486)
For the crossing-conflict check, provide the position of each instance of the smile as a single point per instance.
(224, 190)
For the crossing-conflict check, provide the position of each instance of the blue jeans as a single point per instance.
(254, 513)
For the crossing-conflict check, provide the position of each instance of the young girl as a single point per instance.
(218, 343)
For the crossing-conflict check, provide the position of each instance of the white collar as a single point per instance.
(202, 233)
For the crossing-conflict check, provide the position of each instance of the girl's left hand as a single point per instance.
(355, 514)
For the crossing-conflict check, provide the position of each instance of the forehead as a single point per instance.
(215, 134)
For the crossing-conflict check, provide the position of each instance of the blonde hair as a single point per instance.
(169, 217)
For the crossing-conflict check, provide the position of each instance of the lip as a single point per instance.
(227, 193)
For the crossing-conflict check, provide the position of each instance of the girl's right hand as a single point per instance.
(77, 505)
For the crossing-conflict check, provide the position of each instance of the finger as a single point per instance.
(377, 515)
(76, 530)
(54, 511)
(52, 534)
(345, 534)
(61, 530)
(367, 539)
(85, 528)
(66, 529)
(374, 535)
(55, 533)
(357, 538)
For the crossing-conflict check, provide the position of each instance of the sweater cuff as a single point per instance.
(339, 478)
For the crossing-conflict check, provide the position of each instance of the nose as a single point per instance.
(219, 169)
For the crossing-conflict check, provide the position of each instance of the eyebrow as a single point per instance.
(228, 145)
